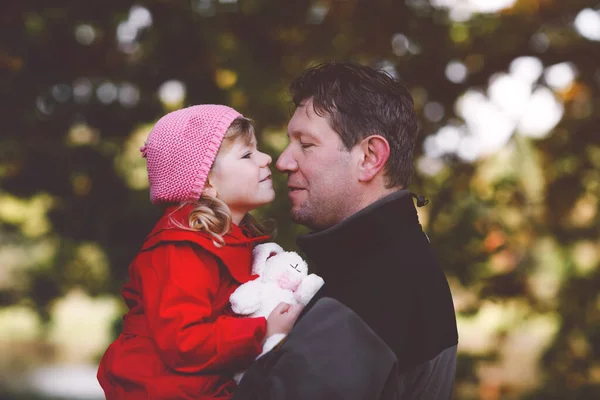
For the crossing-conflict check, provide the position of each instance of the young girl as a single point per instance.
(179, 339)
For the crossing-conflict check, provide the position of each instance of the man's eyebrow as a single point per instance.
(297, 133)
(292, 133)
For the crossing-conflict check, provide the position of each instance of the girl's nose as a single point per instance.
(266, 159)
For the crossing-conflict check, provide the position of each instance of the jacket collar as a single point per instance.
(236, 254)
(175, 215)
(334, 249)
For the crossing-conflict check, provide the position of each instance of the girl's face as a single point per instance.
(241, 177)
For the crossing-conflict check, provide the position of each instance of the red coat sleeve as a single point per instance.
(177, 288)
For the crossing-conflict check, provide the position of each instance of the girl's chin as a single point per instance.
(269, 201)
(266, 200)
(263, 200)
(271, 196)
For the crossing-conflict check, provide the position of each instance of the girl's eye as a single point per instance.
(247, 155)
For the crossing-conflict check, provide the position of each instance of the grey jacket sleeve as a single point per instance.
(330, 354)
(431, 380)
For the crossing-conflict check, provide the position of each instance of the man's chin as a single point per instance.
(295, 217)
(301, 217)
(298, 216)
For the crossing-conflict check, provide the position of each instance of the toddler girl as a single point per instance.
(180, 339)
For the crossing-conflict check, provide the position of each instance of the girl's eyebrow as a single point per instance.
(250, 143)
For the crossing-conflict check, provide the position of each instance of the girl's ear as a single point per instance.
(209, 189)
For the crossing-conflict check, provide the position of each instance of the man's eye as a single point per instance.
(305, 145)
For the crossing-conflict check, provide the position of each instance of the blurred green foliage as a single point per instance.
(517, 231)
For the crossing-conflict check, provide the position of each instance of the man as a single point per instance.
(383, 325)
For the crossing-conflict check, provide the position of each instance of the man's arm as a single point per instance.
(330, 354)
(433, 379)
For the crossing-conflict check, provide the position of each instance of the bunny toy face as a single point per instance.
(286, 269)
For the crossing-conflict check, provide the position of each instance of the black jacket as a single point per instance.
(379, 264)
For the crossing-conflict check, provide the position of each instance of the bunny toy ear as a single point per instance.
(261, 254)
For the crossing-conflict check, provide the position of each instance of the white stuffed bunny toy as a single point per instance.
(283, 277)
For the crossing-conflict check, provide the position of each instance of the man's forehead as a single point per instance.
(303, 115)
(308, 108)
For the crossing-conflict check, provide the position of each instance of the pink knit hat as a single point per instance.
(181, 149)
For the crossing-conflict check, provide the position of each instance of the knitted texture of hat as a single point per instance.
(181, 148)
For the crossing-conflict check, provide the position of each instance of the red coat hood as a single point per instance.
(234, 254)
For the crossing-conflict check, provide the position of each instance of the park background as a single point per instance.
(507, 93)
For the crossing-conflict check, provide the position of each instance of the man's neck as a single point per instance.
(367, 197)
(391, 218)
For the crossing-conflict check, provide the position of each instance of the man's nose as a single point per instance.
(285, 162)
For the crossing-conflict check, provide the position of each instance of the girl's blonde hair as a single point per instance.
(212, 215)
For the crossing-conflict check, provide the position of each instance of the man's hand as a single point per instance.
(282, 318)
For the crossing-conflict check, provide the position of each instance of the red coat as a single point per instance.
(180, 339)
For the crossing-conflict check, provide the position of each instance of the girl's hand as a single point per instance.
(282, 318)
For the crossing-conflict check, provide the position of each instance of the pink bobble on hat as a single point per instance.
(181, 148)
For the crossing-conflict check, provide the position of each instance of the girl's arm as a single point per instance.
(178, 287)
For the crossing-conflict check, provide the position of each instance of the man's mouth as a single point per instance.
(294, 188)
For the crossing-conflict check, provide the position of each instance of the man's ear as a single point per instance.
(374, 153)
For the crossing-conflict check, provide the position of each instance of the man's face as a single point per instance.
(321, 173)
